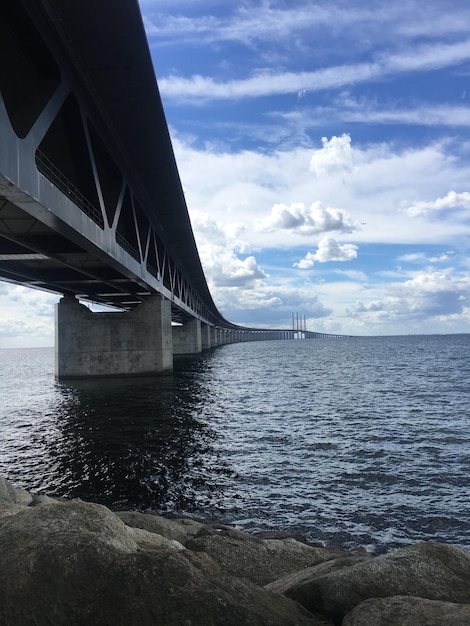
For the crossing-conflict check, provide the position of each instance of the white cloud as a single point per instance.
(421, 257)
(345, 109)
(218, 246)
(412, 257)
(335, 156)
(306, 221)
(209, 230)
(384, 181)
(273, 304)
(328, 250)
(312, 29)
(307, 262)
(251, 23)
(264, 83)
(441, 258)
(452, 200)
(429, 56)
(200, 89)
(26, 317)
(425, 297)
(232, 271)
(331, 250)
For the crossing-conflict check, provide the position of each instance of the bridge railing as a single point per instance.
(50, 171)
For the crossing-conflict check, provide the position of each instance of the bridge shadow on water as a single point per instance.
(135, 443)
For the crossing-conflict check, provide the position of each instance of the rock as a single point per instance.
(429, 570)
(408, 611)
(9, 494)
(39, 499)
(298, 579)
(13, 495)
(10, 509)
(258, 560)
(76, 563)
(191, 527)
(152, 541)
(153, 523)
(5, 497)
(21, 496)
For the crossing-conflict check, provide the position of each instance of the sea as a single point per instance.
(354, 442)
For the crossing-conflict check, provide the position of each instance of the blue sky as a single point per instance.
(324, 149)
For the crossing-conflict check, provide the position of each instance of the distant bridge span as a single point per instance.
(91, 203)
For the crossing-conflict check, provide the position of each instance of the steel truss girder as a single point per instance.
(74, 214)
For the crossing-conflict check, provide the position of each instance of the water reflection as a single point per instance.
(355, 442)
(133, 443)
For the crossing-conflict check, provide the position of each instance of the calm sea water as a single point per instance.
(356, 441)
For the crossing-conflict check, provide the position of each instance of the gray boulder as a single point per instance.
(178, 529)
(10, 494)
(408, 611)
(299, 578)
(78, 564)
(258, 560)
(5, 497)
(43, 500)
(428, 570)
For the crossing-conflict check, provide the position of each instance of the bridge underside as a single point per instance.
(90, 198)
(91, 204)
(35, 255)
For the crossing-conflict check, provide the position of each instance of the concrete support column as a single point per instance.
(130, 343)
(187, 338)
(206, 336)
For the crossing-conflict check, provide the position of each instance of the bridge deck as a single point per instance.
(91, 203)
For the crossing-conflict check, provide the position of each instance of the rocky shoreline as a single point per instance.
(69, 562)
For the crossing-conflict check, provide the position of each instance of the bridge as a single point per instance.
(91, 203)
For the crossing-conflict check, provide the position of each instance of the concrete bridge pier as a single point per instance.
(187, 338)
(130, 343)
(206, 336)
(214, 336)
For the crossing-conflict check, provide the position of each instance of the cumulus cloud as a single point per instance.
(452, 200)
(261, 297)
(307, 262)
(306, 221)
(245, 189)
(208, 230)
(273, 304)
(26, 317)
(219, 246)
(331, 250)
(335, 156)
(240, 287)
(237, 272)
(224, 268)
(328, 250)
(427, 295)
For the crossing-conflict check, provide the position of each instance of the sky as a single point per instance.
(324, 151)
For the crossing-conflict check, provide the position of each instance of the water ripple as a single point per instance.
(361, 441)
